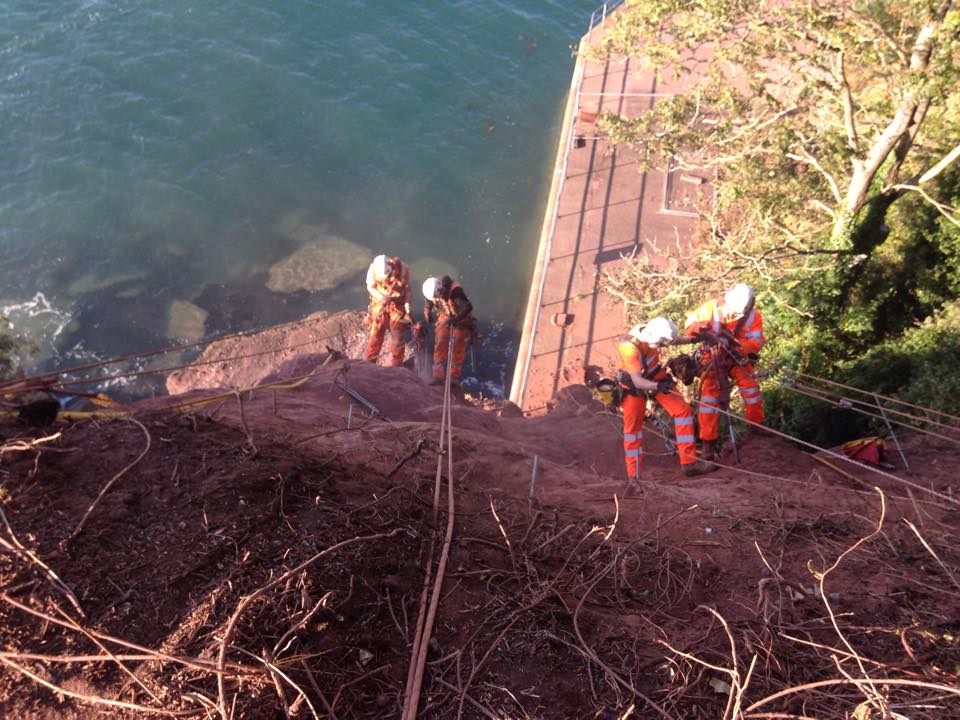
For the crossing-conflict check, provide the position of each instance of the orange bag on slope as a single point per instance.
(869, 450)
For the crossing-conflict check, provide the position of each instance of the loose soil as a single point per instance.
(585, 601)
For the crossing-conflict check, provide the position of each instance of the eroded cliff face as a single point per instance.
(218, 493)
(244, 361)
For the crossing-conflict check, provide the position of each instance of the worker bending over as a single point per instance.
(454, 323)
(732, 333)
(643, 376)
(388, 282)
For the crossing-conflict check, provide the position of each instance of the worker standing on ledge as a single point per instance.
(642, 376)
(732, 331)
(388, 282)
(454, 323)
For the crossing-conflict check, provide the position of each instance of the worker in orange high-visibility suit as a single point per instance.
(388, 282)
(641, 376)
(733, 330)
(454, 324)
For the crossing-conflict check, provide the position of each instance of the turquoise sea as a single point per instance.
(158, 155)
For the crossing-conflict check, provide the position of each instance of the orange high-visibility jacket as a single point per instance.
(639, 357)
(709, 316)
(393, 287)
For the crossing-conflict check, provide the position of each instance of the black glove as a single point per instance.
(665, 386)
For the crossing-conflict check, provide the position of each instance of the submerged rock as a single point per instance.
(187, 321)
(321, 263)
(290, 221)
(92, 282)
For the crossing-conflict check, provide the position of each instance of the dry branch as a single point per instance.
(106, 488)
(232, 622)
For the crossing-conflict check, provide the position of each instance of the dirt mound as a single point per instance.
(579, 603)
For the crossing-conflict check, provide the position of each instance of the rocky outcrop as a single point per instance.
(244, 361)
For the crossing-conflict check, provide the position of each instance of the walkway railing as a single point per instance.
(599, 16)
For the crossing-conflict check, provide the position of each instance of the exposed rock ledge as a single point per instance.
(248, 359)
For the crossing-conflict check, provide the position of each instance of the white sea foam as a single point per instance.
(37, 324)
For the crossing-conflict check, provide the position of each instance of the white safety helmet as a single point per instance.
(381, 266)
(430, 287)
(737, 300)
(658, 331)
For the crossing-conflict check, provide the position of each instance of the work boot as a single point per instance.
(700, 467)
(708, 449)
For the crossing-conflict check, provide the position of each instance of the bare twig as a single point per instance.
(94, 699)
(205, 666)
(873, 695)
(18, 548)
(936, 557)
(592, 655)
(833, 682)
(231, 623)
(106, 488)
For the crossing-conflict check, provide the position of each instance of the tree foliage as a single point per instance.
(831, 127)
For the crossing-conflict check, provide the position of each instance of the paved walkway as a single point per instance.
(600, 209)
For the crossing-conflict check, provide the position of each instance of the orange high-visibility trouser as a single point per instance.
(708, 416)
(462, 335)
(634, 411)
(384, 320)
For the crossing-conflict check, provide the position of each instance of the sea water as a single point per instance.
(158, 155)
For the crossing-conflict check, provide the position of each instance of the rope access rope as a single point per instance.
(839, 456)
(873, 394)
(754, 473)
(199, 363)
(426, 616)
(813, 393)
(52, 375)
(843, 400)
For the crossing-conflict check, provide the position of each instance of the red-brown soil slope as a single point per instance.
(584, 603)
